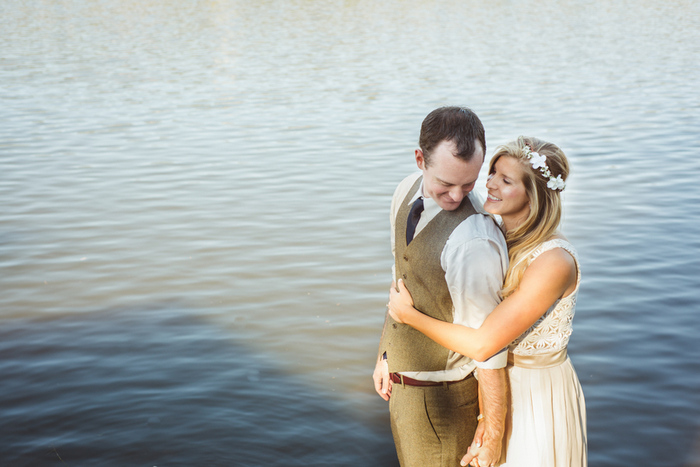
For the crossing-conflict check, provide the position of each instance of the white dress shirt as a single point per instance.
(475, 260)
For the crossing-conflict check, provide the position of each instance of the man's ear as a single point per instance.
(420, 160)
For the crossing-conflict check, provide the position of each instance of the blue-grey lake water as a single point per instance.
(194, 236)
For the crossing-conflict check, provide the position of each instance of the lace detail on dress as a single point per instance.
(551, 332)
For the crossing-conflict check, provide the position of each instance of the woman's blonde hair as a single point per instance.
(545, 203)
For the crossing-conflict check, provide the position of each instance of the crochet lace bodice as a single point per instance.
(551, 332)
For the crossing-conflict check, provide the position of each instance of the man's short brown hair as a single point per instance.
(457, 124)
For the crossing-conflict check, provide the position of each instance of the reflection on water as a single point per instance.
(233, 163)
(158, 386)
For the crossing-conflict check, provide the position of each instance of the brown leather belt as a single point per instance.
(405, 380)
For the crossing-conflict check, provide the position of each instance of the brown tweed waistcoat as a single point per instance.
(418, 264)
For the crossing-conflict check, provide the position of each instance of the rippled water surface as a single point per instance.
(194, 251)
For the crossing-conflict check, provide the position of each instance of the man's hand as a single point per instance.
(382, 383)
(485, 450)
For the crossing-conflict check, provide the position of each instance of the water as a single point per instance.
(194, 246)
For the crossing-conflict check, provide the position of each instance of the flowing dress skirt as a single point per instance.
(546, 422)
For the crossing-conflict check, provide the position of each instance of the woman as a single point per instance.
(546, 422)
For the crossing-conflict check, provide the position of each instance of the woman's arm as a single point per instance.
(545, 281)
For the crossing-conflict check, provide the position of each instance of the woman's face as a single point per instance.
(507, 195)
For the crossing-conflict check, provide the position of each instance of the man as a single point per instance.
(452, 258)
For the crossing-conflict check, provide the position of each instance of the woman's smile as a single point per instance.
(507, 196)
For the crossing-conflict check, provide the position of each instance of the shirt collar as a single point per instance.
(418, 194)
(431, 208)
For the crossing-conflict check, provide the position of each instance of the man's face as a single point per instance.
(448, 179)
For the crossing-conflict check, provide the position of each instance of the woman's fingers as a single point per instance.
(405, 294)
(470, 457)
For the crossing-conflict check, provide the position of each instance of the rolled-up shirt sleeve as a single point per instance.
(475, 262)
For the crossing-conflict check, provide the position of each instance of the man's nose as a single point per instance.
(456, 194)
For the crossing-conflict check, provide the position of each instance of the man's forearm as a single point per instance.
(493, 397)
(382, 383)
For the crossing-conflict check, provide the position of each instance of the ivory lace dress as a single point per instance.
(546, 421)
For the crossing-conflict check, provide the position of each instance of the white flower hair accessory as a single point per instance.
(539, 161)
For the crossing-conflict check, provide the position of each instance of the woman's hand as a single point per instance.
(400, 303)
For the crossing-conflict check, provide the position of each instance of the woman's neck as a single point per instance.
(512, 223)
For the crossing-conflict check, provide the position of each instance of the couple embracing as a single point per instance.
(472, 358)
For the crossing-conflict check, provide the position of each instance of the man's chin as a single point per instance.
(449, 206)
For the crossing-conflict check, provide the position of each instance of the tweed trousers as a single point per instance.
(433, 426)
